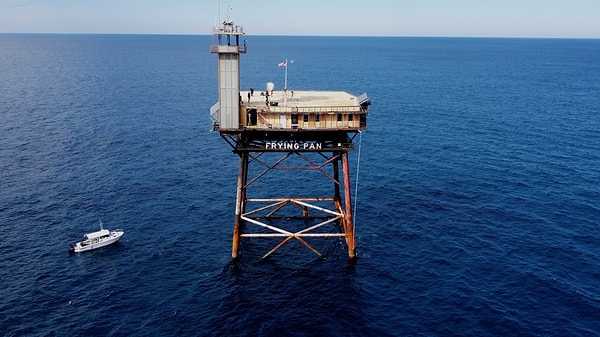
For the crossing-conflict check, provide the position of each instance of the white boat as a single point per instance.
(101, 238)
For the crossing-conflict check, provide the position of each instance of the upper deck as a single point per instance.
(303, 110)
(222, 42)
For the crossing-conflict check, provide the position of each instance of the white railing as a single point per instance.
(214, 112)
(228, 29)
(217, 48)
(315, 109)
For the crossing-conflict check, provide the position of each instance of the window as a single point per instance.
(339, 117)
(305, 118)
(363, 120)
(317, 118)
(350, 118)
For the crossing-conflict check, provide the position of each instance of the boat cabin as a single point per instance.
(96, 236)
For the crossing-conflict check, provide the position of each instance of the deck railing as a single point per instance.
(228, 29)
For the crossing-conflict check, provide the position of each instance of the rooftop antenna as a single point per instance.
(229, 14)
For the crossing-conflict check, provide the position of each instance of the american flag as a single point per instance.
(283, 64)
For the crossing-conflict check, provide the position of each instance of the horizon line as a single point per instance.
(314, 35)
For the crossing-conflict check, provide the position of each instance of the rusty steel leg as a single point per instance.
(239, 204)
(336, 185)
(348, 222)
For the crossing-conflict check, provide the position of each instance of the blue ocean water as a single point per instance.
(478, 199)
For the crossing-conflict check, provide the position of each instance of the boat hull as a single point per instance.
(86, 245)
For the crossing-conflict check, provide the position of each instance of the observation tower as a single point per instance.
(266, 131)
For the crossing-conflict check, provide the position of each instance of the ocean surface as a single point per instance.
(477, 198)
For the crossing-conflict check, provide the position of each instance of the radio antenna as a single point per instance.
(219, 11)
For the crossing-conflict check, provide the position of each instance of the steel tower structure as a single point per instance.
(317, 128)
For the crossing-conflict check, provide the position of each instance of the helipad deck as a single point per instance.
(302, 101)
(302, 109)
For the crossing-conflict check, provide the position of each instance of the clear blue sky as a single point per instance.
(506, 18)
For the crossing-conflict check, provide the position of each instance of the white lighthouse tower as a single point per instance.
(226, 43)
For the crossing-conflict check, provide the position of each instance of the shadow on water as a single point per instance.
(285, 297)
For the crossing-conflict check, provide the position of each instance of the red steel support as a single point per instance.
(240, 201)
(348, 223)
(336, 182)
(341, 212)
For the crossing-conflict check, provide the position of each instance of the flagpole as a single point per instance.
(285, 81)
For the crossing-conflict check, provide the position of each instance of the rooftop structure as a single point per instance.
(303, 110)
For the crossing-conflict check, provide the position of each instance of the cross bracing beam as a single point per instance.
(276, 205)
